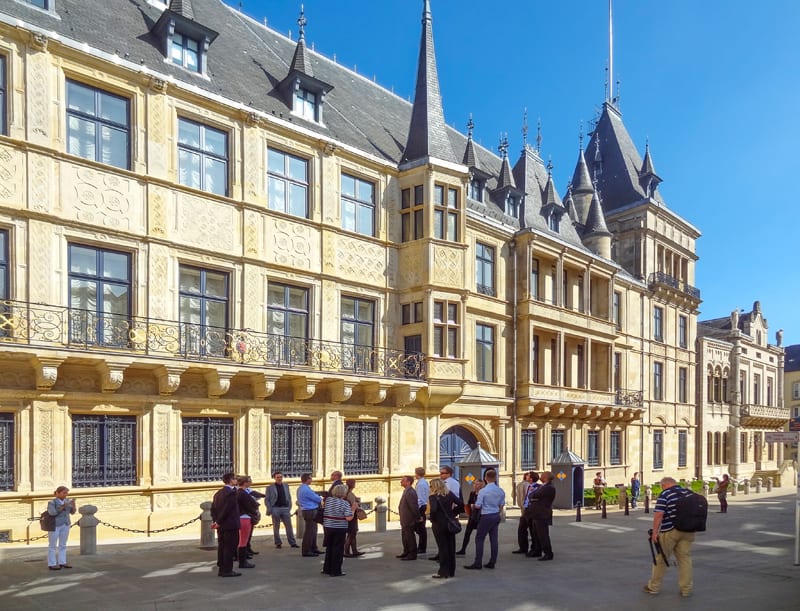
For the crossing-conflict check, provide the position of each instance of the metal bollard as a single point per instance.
(207, 537)
(300, 527)
(705, 489)
(381, 512)
(746, 483)
(623, 495)
(647, 495)
(603, 507)
(578, 513)
(627, 507)
(88, 525)
(769, 484)
(734, 487)
(758, 485)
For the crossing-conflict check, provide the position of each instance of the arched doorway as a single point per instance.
(454, 444)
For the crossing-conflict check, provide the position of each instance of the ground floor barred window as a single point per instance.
(103, 451)
(291, 447)
(207, 448)
(6, 451)
(360, 448)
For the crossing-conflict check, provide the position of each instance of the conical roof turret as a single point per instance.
(596, 220)
(506, 178)
(301, 62)
(182, 8)
(427, 133)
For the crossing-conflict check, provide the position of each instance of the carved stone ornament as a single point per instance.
(302, 390)
(169, 379)
(375, 393)
(340, 391)
(39, 41)
(111, 377)
(219, 383)
(157, 84)
(46, 372)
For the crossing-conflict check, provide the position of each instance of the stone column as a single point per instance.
(88, 525)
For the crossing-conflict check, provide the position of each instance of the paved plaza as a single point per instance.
(743, 561)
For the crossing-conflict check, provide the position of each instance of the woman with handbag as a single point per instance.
(350, 545)
(61, 507)
(338, 512)
(445, 525)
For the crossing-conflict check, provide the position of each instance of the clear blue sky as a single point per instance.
(713, 84)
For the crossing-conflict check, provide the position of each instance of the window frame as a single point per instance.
(616, 310)
(209, 469)
(615, 448)
(556, 443)
(289, 182)
(593, 448)
(3, 94)
(412, 214)
(289, 348)
(299, 446)
(683, 447)
(658, 381)
(658, 449)
(359, 204)
(658, 323)
(361, 456)
(305, 104)
(485, 350)
(446, 213)
(5, 264)
(185, 51)
(683, 331)
(7, 450)
(84, 115)
(485, 266)
(123, 458)
(200, 151)
(361, 358)
(207, 345)
(446, 330)
(528, 446)
(683, 384)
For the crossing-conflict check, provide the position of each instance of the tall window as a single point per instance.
(682, 447)
(556, 444)
(287, 321)
(99, 296)
(287, 177)
(411, 313)
(658, 449)
(769, 391)
(717, 449)
(795, 390)
(535, 359)
(3, 87)
(207, 448)
(98, 125)
(203, 311)
(535, 291)
(658, 324)
(683, 384)
(593, 449)
(357, 333)
(553, 221)
(617, 371)
(412, 213)
(484, 353)
(360, 448)
(743, 447)
(528, 449)
(725, 448)
(291, 447)
(358, 205)
(103, 451)
(305, 104)
(202, 157)
(6, 451)
(615, 448)
(658, 381)
(683, 331)
(484, 267)
(512, 205)
(581, 366)
(476, 189)
(43, 4)
(756, 389)
(4, 266)
(709, 448)
(616, 311)
(445, 213)
(445, 329)
(185, 52)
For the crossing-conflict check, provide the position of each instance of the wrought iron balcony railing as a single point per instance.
(60, 327)
(671, 281)
(632, 398)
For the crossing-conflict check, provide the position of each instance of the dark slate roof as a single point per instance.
(182, 8)
(617, 170)
(569, 206)
(595, 221)
(647, 164)
(470, 160)
(581, 180)
(792, 358)
(506, 179)
(301, 62)
(427, 134)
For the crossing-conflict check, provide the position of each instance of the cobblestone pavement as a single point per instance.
(743, 561)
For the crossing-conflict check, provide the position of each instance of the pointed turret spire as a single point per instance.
(596, 235)
(581, 188)
(427, 133)
(648, 178)
(569, 205)
(506, 179)
(470, 159)
(301, 62)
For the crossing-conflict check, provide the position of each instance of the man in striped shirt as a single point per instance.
(672, 540)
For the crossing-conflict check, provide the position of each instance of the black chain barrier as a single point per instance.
(148, 531)
(39, 538)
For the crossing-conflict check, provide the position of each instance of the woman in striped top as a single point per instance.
(338, 512)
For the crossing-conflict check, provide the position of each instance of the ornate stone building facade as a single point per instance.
(740, 380)
(792, 395)
(221, 250)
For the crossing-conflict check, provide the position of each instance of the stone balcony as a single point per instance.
(764, 416)
(579, 403)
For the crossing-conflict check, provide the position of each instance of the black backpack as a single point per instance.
(691, 512)
(47, 522)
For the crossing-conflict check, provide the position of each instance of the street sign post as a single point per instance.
(781, 437)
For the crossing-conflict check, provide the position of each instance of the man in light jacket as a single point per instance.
(279, 506)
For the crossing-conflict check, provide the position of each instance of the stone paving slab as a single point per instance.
(743, 561)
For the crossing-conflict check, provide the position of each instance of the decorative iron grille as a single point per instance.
(291, 447)
(593, 453)
(6, 451)
(633, 398)
(207, 448)
(528, 450)
(59, 327)
(360, 448)
(103, 451)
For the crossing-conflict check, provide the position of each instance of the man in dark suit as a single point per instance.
(279, 506)
(336, 479)
(225, 513)
(541, 509)
(409, 518)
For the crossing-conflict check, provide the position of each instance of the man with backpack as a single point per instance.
(679, 513)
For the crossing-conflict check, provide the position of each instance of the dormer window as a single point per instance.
(42, 4)
(476, 189)
(512, 205)
(553, 221)
(185, 52)
(305, 104)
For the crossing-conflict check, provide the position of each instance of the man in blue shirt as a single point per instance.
(309, 502)
(423, 492)
(490, 500)
(672, 540)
